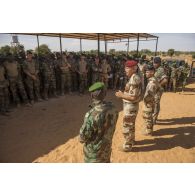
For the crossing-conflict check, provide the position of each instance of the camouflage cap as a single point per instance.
(96, 86)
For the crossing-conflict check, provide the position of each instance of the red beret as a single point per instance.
(130, 63)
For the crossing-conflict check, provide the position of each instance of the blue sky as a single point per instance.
(177, 41)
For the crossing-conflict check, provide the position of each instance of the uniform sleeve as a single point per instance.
(135, 87)
(150, 92)
(87, 129)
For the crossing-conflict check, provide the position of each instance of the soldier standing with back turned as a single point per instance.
(98, 128)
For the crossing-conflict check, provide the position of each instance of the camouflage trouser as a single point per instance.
(58, 80)
(95, 77)
(104, 79)
(130, 111)
(184, 83)
(16, 85)
(33, 87)
(157, 106)
(148, 120)
(74, 81)
(82, 83)
(65, 82)
(4, 98)
(172, 83)
(49, 83)
(92, 155)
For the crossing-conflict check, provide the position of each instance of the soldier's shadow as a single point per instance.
(182, 136)
(175, 121)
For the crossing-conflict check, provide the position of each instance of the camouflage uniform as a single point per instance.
(74, 74)
(97, 132)
(173, 79)
(57, 63)
(13, 72)
(105, 70)
(65, 76)
(119, 77)
(96, 70)
(130, 109)
(49, 79)
(185, 75)
(4, 93)
(152, 89)
(32, 68)
(159, 75)
(82, 65)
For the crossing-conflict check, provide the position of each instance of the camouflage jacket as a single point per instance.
(174, 72)
(31, 67)
(97, 131)
(134, 88)
(160, 74)
(153, 87)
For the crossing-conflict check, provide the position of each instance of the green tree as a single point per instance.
(171, 52)
(43, 50)
(5, 50)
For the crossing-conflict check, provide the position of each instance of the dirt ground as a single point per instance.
(48, 131)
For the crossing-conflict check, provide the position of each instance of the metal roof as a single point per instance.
(94, 36)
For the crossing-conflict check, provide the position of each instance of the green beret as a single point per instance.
(96, 86)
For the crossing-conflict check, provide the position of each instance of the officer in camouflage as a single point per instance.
(162, 79)
(96, 70)
(185, 75)
(152, 89)
(105, 71)
(31, 70)
(173, 78)
(131, 98)
(49, 79)
(65, 75)
(82, 70)
(73, 71)
(98, 128)
(13, 73)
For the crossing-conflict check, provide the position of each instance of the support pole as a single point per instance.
(127, 46)
(80, 45)
(105, 47)
(60, 44)
(38, 48)
(137, 43)
(98, 44)
(156, 46)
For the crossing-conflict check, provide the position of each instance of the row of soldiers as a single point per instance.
(177, 73)
(30, 79)
(99, 124)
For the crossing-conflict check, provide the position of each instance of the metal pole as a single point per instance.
(137, 43)
(105, 47)
(98, 44)
(38, 48)
(80, 45)
(60, 44)
(128, 47)
(156, 46)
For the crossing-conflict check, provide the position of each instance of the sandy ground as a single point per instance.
(48, 131)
